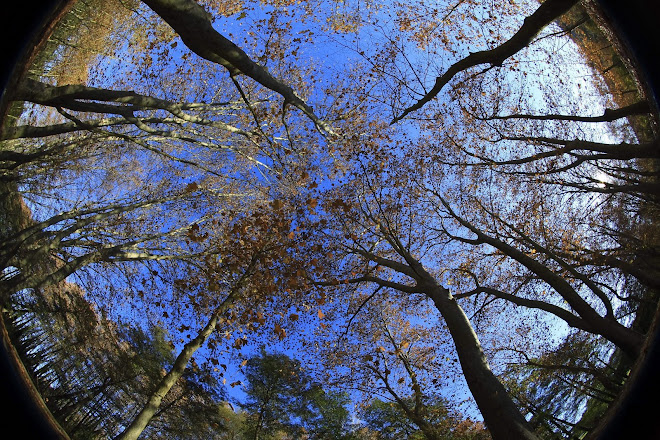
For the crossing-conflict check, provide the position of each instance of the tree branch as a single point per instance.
(193, 24)
(638, 108)
(544, 15)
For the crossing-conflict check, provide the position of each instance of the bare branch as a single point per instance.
(544, 15)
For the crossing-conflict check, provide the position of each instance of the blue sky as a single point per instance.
(328, 57)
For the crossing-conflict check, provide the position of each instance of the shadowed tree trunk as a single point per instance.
(500, 413)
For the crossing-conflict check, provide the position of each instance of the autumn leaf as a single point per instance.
(239, 343)
(233, 384)
(293, 317)
(320, 314)
(279, 331)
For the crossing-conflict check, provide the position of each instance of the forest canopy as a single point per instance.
(338, 219)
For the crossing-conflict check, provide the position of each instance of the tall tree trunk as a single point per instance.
(133, 431)
(500, 413)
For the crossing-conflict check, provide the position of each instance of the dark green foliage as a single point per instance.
(389, 421)
(581, 373)
(283, 398)
(326, 417)
(274, 394)
(94, 375)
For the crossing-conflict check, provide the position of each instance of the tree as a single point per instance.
(549, 11)
(378, 248)
(275, 388)
(281, 396)
(28, 246)
(549, 388)
(394, 356)
(139, 423)
(190, 409)
(90, 382)
(588, 317)
(388, 420)
(327, 416)
(519, 201)
(232, 422)
(192, 23)
(237, 274)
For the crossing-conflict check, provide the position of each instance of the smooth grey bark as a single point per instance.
(543, 16)
(116, 102)
(137, 426)
(77, 97)
(42, 254)
(30, 131)
(140, 422)
(501, 415)
(38, 239)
